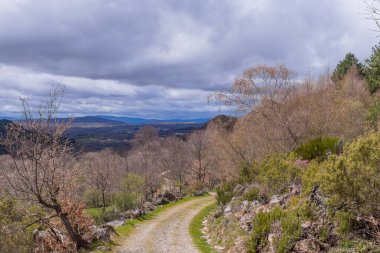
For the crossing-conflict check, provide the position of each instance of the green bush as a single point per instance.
(352, 179)
(252, 194)
(92, 198)
(101, 217)
(318, 148)
(277, 172)
(224, 193)
(373, 113)
(290, 218)
(261, 227)
(126, 200)
(346, 221)
(248, 172)
(15, 235)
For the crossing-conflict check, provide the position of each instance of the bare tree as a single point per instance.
(176, 160)
(373, 8)
(147, 154)
(102, 168)
(198, 142)
(42, 161)
(258, 83)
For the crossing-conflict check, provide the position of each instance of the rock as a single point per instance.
(199, 193)
(295, 190)
(308, 246)
(275, 234)
(148, 206)
(52, 240)
(254, 204)
(246, 222)
(103, 233)
(275, 200)
(161, 201)
(116, 223)
(239, 189)
(245, 206)
(132, 214)
(306, 225)
(218, 213)
(227, 210)
(103, 248)
(169, 196)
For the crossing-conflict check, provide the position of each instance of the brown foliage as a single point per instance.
(42, 167)
(282, 115)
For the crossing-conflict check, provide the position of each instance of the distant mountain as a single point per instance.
(8, 118)
(131, 120)
(94, 120)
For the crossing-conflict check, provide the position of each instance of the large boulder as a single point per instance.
(307, 246)
(161, 201)
(165, 198)
(103, 233)
(148, 207)
(169, 196)
(132, 214)
(52, 240)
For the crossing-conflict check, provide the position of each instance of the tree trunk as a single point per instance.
(104, 202)
(76, 238)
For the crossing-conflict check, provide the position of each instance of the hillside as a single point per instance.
(131, 120)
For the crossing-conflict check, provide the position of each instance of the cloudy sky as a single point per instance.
(161, 59)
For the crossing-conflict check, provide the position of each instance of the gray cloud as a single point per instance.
(136, 56)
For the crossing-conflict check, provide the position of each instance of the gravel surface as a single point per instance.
(166, 233)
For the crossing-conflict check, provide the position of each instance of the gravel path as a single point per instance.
(166, 233)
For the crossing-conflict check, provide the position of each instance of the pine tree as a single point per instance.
(372, 70)
(345, 65)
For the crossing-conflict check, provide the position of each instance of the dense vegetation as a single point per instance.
(308, 169)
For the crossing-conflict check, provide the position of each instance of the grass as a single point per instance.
(196, 227)
(96, 211)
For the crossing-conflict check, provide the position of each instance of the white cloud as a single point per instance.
(163, 58)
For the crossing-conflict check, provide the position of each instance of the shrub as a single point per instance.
(352, 179)
(261, 227)
(277, 172)
(126, 200)
(224, 193)
(100, 216)
(15, 235)
(373, 113)
(291, 231)
(248, 172)
(318, 148)
(252, 194)
(92, 198)
(346, 221)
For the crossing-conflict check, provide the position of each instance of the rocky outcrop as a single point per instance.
(55, 240)
(165, 198)
(240, 213)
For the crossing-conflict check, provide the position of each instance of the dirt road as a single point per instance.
(166, 233)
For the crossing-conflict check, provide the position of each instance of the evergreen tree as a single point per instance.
(372, 70)
(344, 66)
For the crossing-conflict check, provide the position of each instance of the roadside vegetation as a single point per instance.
(196, 227)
